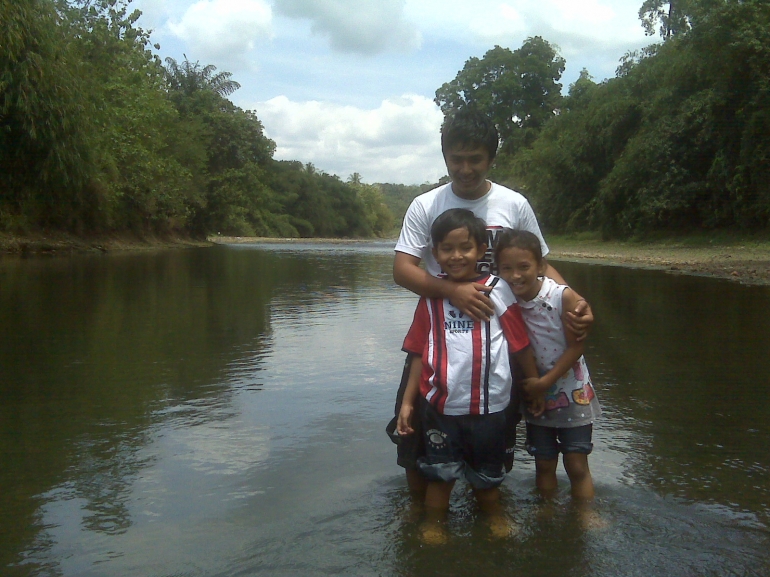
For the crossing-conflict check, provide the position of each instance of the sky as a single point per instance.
(348, 85)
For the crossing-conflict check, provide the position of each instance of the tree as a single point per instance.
(676, 16)
(188, 77)
(45, 157)
(519, 89)
(671, 15)
(377, 214)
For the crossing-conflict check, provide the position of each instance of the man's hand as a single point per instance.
(580, 320)
(471, 298)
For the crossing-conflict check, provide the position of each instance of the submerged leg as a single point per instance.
(545, 477)
(489, 503)
(433, 528)
(576, 465)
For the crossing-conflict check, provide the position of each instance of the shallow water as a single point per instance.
(221, 412)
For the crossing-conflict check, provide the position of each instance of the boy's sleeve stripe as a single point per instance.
(514, 329)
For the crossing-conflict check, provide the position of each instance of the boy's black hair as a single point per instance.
(466, 127)
(522, 239)
(455, 218)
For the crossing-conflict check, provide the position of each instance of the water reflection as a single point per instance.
(221, 412)
(690, 357)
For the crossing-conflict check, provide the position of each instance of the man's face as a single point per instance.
(468, 169)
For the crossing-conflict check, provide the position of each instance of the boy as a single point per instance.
(460, 374)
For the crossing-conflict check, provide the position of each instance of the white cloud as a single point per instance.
(361, 26)
(397, 142)
(223, 30)
(569, 24)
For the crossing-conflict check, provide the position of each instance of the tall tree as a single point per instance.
(519, 89)
(670, 15)
(189, 77)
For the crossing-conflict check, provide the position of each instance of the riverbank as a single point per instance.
(744, 260)
(57, 243)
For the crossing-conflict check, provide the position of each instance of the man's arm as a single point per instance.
(580, 319)
(470, 298)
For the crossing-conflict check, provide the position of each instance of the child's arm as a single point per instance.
(538, 386)
(409, 400)
(526, 360)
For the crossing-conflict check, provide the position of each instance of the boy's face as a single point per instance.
(468, 167)
(520, 269)
(457, 254)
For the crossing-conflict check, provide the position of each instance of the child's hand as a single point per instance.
(404, 426)
(536, 406)
(534, 387)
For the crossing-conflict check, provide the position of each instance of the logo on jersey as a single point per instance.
(457, 322)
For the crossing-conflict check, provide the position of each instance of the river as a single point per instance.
(221, 411)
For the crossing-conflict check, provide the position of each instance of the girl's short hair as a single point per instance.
(455, 218)
(522, 239)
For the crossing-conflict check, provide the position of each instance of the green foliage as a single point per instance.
(97, 135)
(44, 149)
(680, 139)
(319, 204)
(379, 219)
(398, 197)
(519, 89)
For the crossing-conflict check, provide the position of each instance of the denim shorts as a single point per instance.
(463, 446)
(548, 442)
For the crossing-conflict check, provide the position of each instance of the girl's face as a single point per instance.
(520, 269)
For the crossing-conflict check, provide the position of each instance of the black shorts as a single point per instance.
(411, 447)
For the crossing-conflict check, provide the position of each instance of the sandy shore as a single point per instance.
(747, 263)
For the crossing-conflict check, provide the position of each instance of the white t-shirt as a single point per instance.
(500, 208)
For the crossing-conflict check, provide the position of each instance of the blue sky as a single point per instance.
(349, 84)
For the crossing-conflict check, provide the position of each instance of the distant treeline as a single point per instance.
(98, 135)
(679, 139)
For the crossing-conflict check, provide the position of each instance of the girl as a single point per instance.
(564, 385)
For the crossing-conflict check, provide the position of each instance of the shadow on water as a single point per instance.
(221, 412)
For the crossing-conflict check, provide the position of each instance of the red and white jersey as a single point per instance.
(465, 364)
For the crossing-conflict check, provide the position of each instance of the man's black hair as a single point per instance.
(522, 239)
(455, 218)
(465, 128)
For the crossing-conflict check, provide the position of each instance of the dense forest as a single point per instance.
(98, 135)
(678, 140)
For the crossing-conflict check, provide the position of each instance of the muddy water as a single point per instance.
(220, 412)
